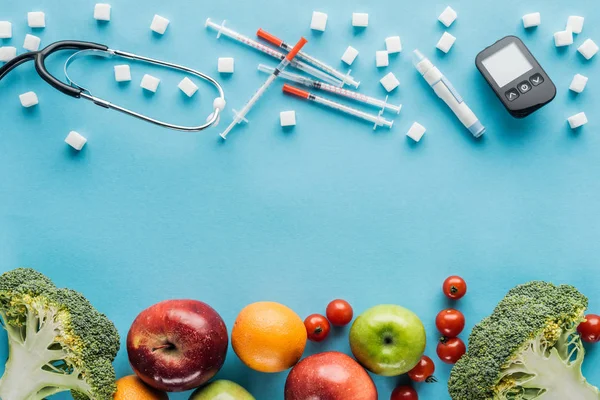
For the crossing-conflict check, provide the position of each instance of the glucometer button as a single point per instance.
(524, 87)
(512, 94)
(537, 79)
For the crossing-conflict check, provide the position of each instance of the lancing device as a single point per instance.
(445, 91)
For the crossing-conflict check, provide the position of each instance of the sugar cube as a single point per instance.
(31, 43)
(150, 83)
(446, 42)
(350, 55)
(75, 140)
(226, 65)
(563, 38)
(389, 82)
(187, 86)
(287, 118)
(36, 19)
(382, 59)
(28, 99)
(360, 20)
(5, 30)
(159, 24)
(102, 12)
(578, 84)
(575, 24)
(416, 131)
(7, 53)
(577, 120)
(588, 49)
(448, 16)
(122, 73)
(393, 44)
(319, 21)
(532, 20)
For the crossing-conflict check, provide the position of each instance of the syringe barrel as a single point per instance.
(245, 40)
(376, 119)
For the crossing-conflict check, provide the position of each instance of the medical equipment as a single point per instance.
(222, 30)
(445, 91)
(87, 49)
(241, 116)
(378, 120)
(361, 98)
(345, 78)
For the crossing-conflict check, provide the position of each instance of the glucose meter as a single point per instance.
(515, 75)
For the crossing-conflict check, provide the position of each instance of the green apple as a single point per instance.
(388, 340)
(221, 390)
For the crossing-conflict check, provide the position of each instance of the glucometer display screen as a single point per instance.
(507, 64)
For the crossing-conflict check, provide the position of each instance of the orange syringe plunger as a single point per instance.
(296, 49)
(289, 89)
(274, 40)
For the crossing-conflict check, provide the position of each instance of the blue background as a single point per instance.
(327, 209)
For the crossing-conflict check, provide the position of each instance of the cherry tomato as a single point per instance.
(590, 329)
(451, 350)
(317, 327)
(450, 322)
(454, 287)
(404, 393)
(423, 371)
(339, 312)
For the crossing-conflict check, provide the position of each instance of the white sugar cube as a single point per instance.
(75, 140)
(575, 24)
(448, 16)
(350, 55)
(150, 83)
(532, 20)
(446, 42)
(287, 118)
(393, 44)
(416, 131)
(31, 43)
(36, 19)
(28, 99)
(187, 86)
(382, 59)
(389, 82)
(102, 12)
(122, 73)
(319, 21)
(7, 53)
(226, 65)
(5, 30)
(360, 20)
(578, 84)
(159, 24)
(577, 120)
(563, 38)
(588, 49)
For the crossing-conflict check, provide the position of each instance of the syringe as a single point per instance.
(222, 30)
(308, 82)
(241, 116)
(274, 40)
(378, 120)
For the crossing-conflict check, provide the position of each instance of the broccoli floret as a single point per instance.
(527, 349)
(57, 341)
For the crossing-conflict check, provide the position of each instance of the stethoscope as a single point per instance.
(93, 49)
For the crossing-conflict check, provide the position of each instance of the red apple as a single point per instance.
(177, 345)
(329, 376)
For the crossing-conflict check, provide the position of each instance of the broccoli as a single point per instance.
(527, 349)
(57, 341)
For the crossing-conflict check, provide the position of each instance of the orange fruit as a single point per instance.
(132, 388)
(268, 337)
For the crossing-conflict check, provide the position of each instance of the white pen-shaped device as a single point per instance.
(445, 91)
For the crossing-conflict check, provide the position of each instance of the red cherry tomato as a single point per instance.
(589, 330)
(454, 287)
(317, 327)
(423, 371)
(404, 393)
(451, 350)
(339, 312)
(450, 322)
